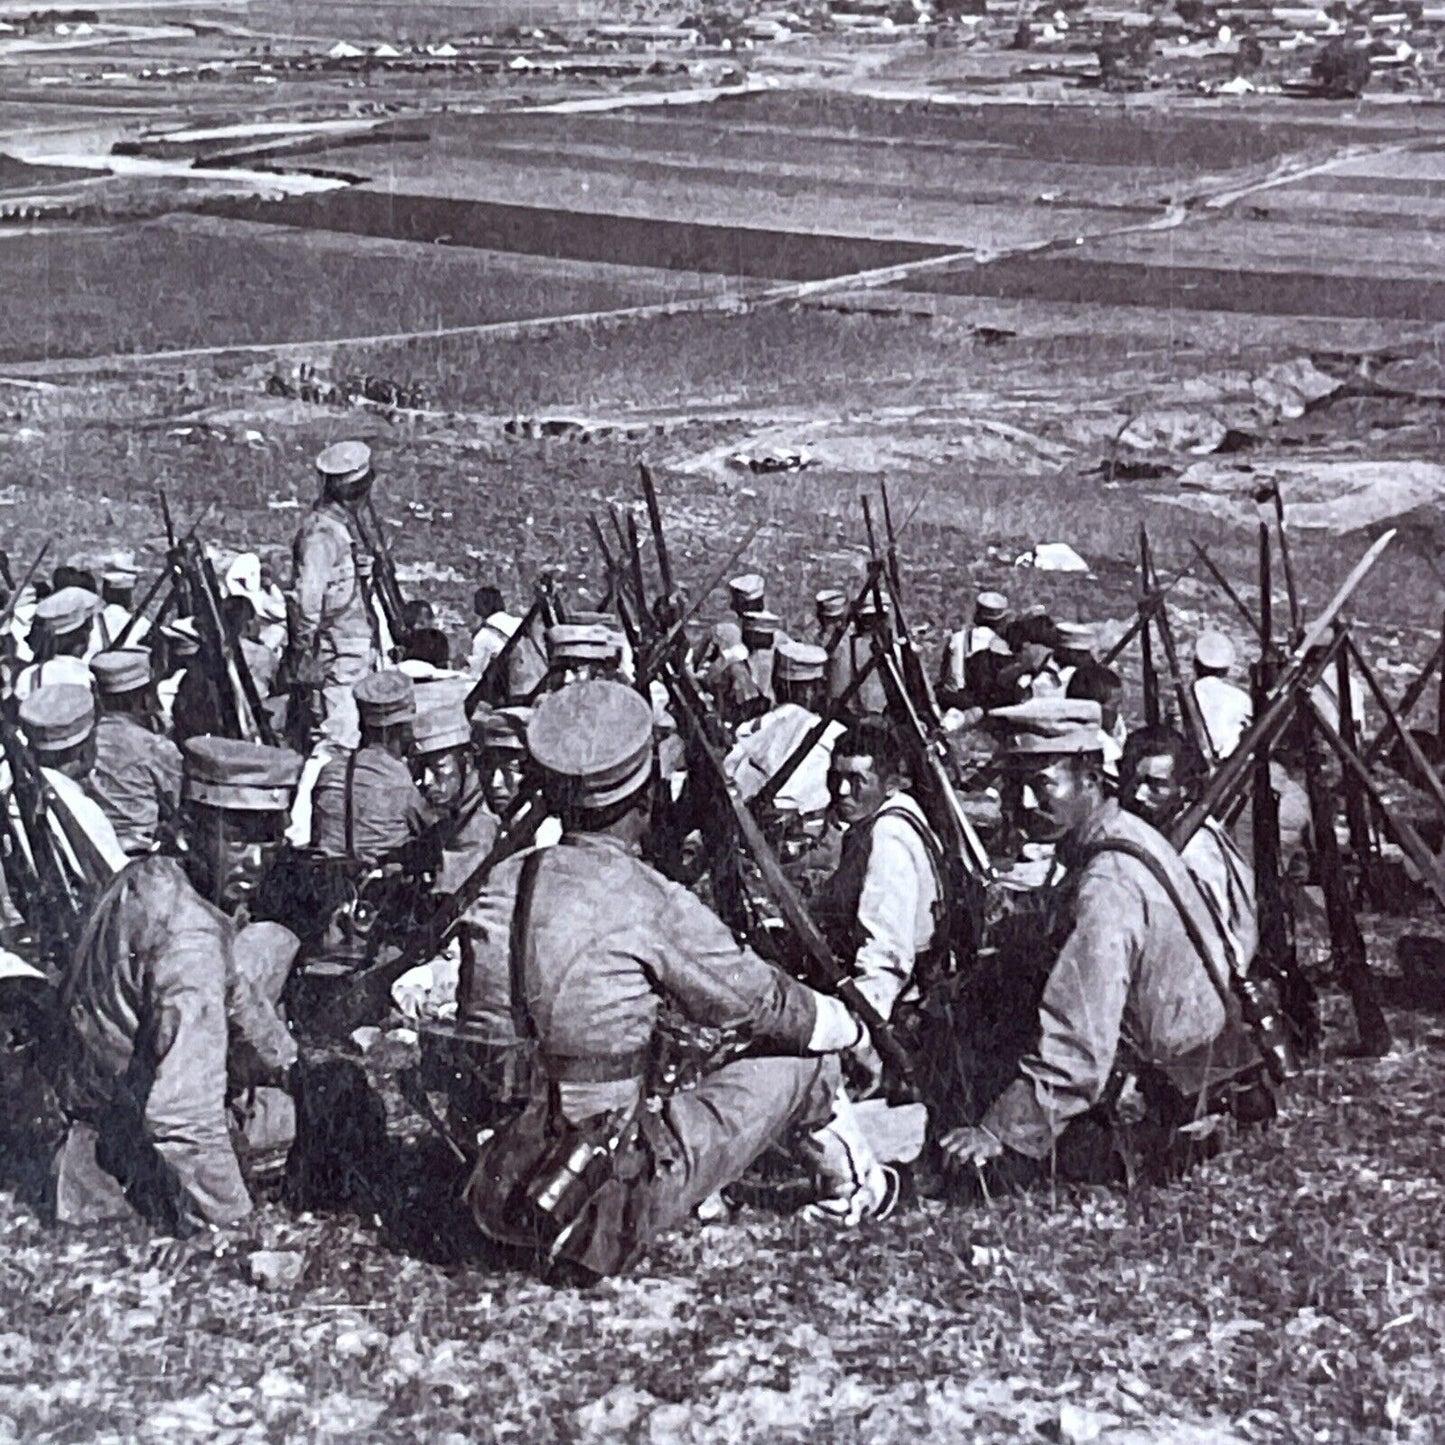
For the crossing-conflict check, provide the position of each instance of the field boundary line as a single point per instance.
(321, 350)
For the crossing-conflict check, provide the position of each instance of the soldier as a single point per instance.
(60, 640)
(235, 797)
(333, 629)
(1226, 709)
(137, 774)
(830, 607)
(966, 673)
(366, 805)
(500, 737)
(883, 906)
(580, 947)
(174, 1047)
(1158, 775)
(730, 679)
(497, 627)
(1135, 1023)
(243, 627)
(442, 753)
(764, 744)
(117, 598)
(760, 637)
(58, 721)
(871, 698)
(1072, 647)
(579, 650)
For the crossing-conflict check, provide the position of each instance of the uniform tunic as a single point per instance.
(154, 999)
(1223, 876)
(1127, 970)
(332, 621)
(609, 941)
(766, 743)
(136, 779)
(387, 808)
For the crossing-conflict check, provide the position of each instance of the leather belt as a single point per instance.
(598, 1069)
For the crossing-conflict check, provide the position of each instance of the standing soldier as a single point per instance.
(1226, 709)
(137, 774)
(333, 637)
(971, 656)
(830, 608)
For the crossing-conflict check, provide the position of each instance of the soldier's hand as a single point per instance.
(971, 1144)
(863, 1069)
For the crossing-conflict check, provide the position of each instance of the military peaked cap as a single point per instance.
(57, 717)
(1214, 650)
(990, 607)
(1076, 636)
(345, 463)
(441, 719)
(246, 777)
(121, 669)
(746, 591)
(798, 661)
(504, 730)
(832, 604)
(598, 736)
(760, 628)
(67, 610)
(385, 698)
(581, 642)
(1052, 725)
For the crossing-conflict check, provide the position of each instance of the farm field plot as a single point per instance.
(102, 291)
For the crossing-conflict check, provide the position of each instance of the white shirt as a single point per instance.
(895, 907)
(764, 744)
(491, 637)
(1227, 712)
(86, 812)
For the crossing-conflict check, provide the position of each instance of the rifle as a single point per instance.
(519, 831)
(1227, 588)
(166, 574)
(915, 677)
(693, 719)
(240, 701)
(1189, 713)
(7, 613)
(187, 603)
(59, 902)
(485, 689)
(1297, 673)
(388, 588)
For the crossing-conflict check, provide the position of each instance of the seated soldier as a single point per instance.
(973, 655)
(830, 607)
(881, 909)
(579, 650)
(1137, 1006)
(1159, 774)
(59, 724)
(1093, 682)
(497, 627)
(442, 755)
(365, 805)
(243, 625)
(60, 640)
(175, 1062)
(137, 774)
(579, 948)
(117, 600)
(766, 743)
(871, 697)
(729, 677)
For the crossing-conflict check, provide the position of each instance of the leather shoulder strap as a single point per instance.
(517, 945)
(1143, 856)
(349, 805)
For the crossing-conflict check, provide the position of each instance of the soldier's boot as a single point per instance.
(853, 1184)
